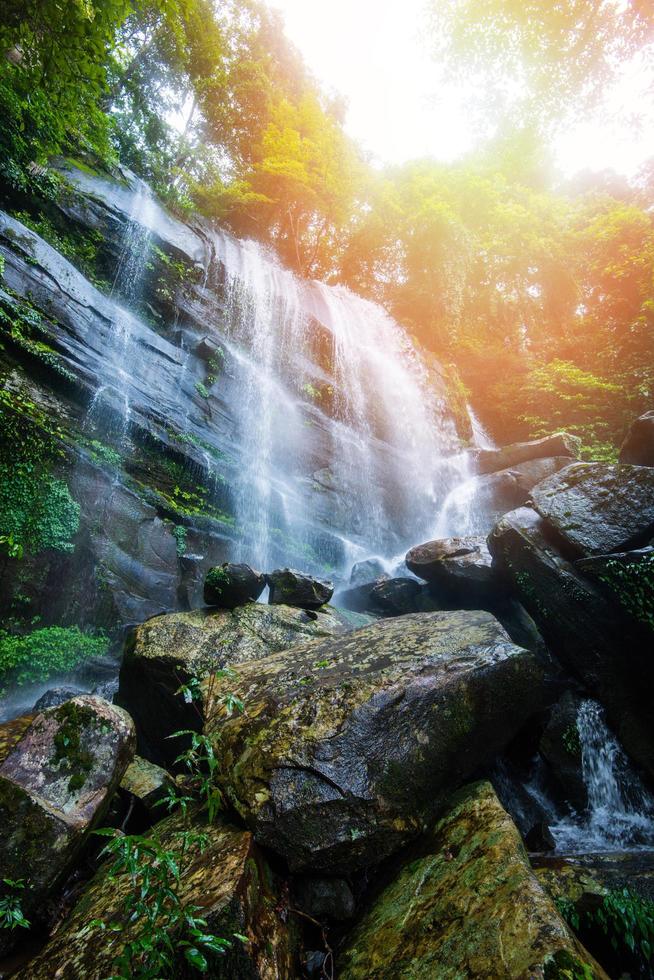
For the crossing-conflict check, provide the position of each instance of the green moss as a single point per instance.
(69, 753)
(633, 584)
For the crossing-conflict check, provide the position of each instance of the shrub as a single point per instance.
(51, 650)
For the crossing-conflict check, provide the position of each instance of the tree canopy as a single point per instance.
(539, 290)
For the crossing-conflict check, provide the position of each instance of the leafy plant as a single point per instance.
(11, 913)
(201, 389)
(179, 533)
(625, 919)
(154, 925)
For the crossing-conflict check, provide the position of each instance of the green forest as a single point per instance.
(538, 289)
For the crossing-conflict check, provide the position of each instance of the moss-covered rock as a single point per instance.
(227, 878)
(11, 732)
(291, 588)
(168, 651)
(471, 907)
(230, 585)
(55, 785)
(605, 648)
(597, 507)
(147, 784)
(346, 748)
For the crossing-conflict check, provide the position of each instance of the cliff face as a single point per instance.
(199, 403)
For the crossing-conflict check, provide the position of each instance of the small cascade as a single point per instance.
(325, 377)
(480, 436)
(466, 508)
(620, 813)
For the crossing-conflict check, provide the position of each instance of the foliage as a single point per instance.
(201, 389)
(180, 532)
(36, 656)
(11, 913)
(633, 582)
(625, 919)
(154, 926)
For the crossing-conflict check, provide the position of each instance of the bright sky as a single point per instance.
(375, 54)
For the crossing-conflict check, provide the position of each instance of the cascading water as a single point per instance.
(128, 285)
(325, 376)
(467, 506)
(620, 813)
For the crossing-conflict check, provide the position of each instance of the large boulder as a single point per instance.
(454, 564)
(559, 444)
(55, 784)
(168, 652)
(598, 507)
(291, 588)
(395, 596)
(638, 446)
(346, 748)
(230, 585)
(627, 578)
(591, 636)
(470, 907)
(224, 875)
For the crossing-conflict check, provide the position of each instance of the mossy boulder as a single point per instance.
(347, 748)
(291, 588)
(559, 444)
(597, 507)
(169, 651)
(55, 784)
(470, 907)
(147, 784)
(593, 637)
(561, 748)
(227, 879)
(230, 585)
(11, 732)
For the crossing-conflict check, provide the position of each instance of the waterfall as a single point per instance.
(128, 285)
(331, 394)
(620, 811)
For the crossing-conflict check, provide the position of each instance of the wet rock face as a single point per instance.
(291, 588)
(471, 907)
(366, 571)
(54, 697)
(147, 784)
(55, 784)
(227, 878)
(597, 507)
(232, 585)
(561, 748)
(322, 898)
(590, 634)
(347, 747)
(395, 596)
(560, 444)
(169, 651)
(638, 447)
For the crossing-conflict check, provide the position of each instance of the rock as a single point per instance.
(627, 578)
(358, 598)
(11, 732)
(590, 636)
(232, 585)
(322, 898)
(471, 907)
(54, 697)
(638, 446)
(228, 879)
(367, 571)
(559, 444)
(55, 784)
(455, 565)
(584, 877)
(169, 651)
(540, 838)
(597, 507)
(291, 588)
(147, 784)
(395, 596)
(561, 748)
(347, 747)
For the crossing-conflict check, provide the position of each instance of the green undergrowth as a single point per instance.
(26, 328)
(33, 657)
(37, 511)
(633, 584)
(623, 923)
(82, 248)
